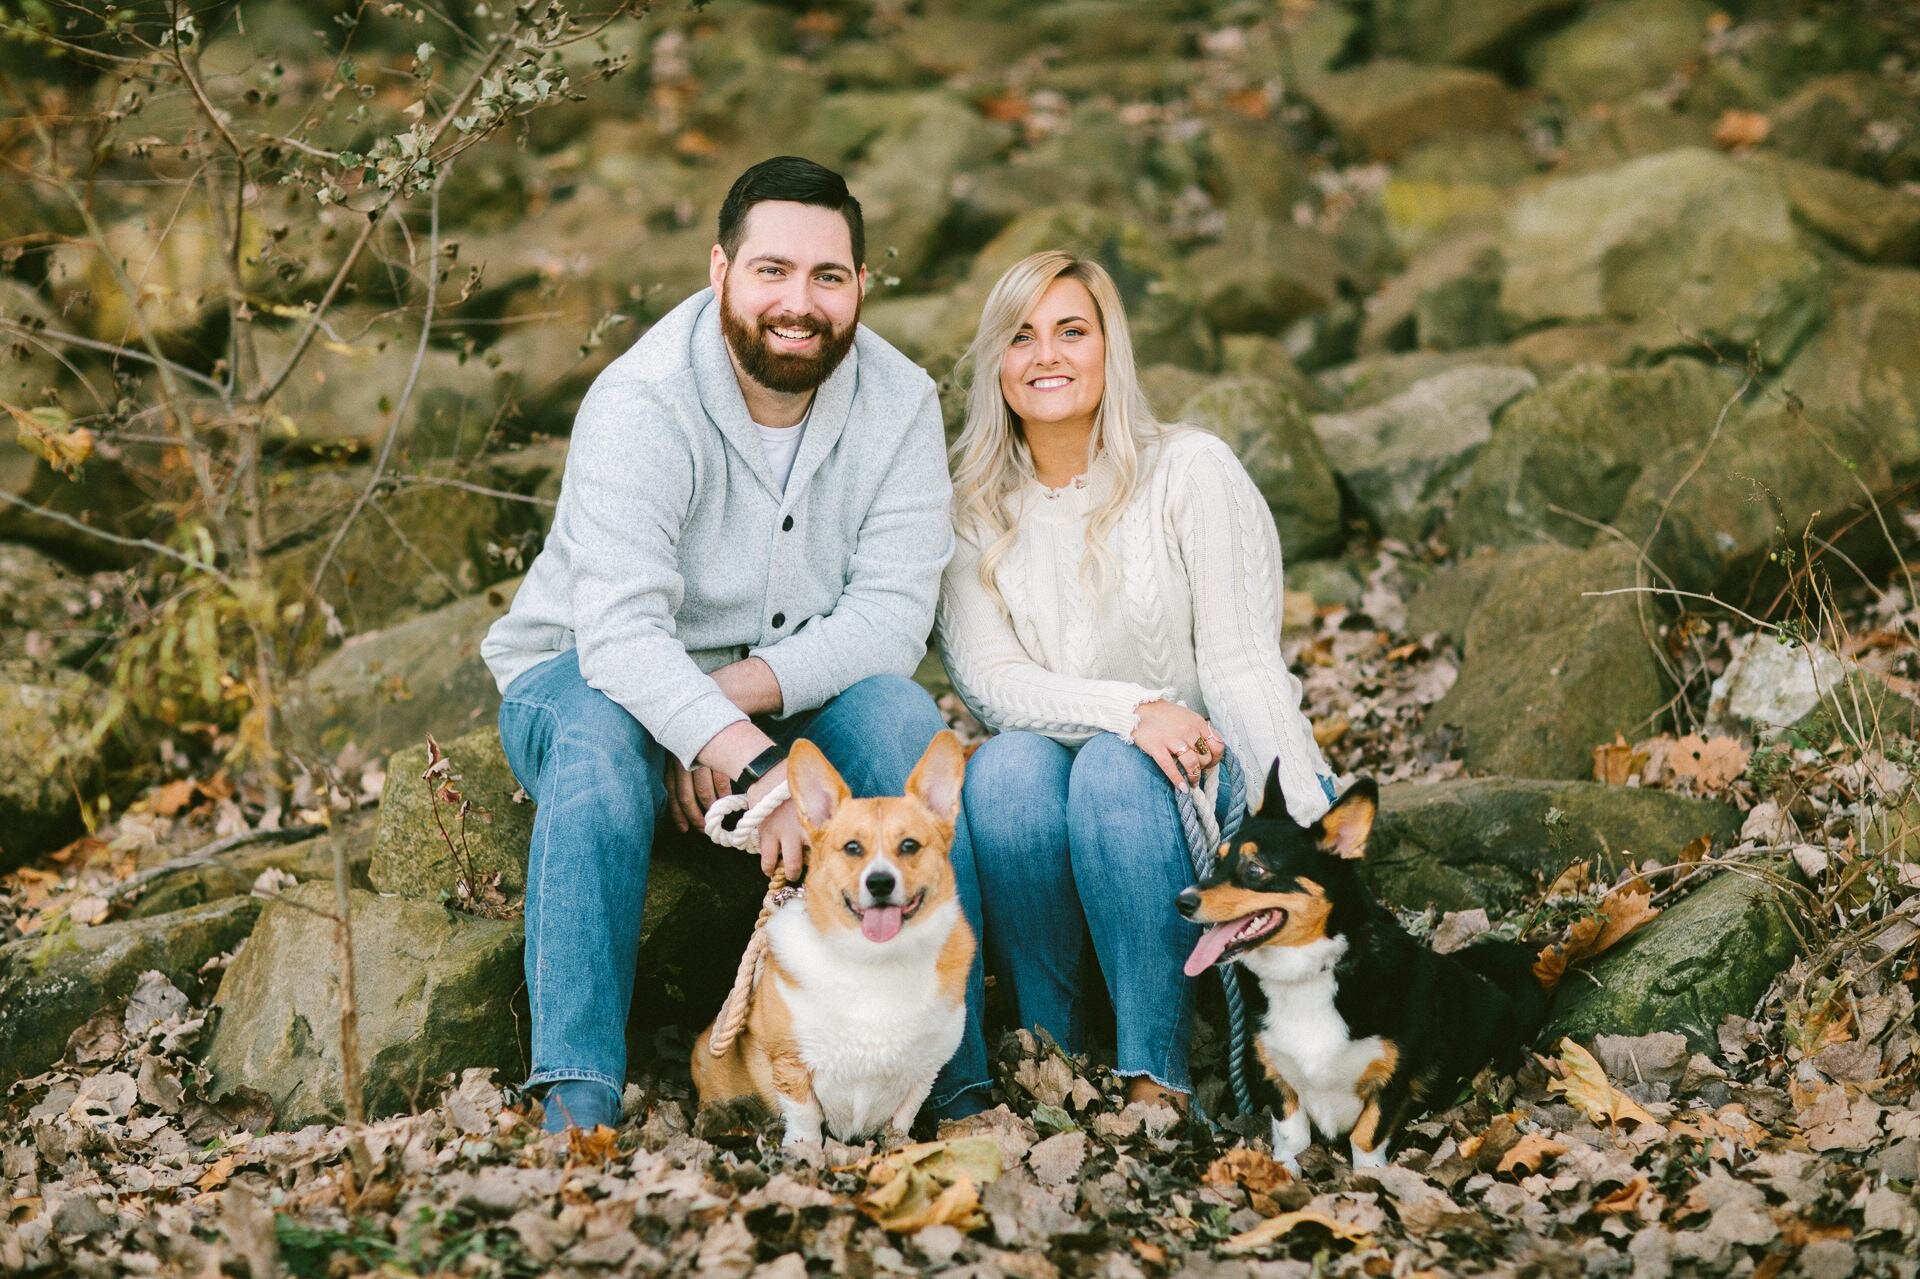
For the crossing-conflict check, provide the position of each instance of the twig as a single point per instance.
(1692, 595)
(208, 854)
(142, 543)
(442, 481)
(109, 348)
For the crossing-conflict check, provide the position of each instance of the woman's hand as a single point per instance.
(690, 793)
(1182, 743)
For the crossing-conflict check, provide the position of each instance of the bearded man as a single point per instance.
(747, 551)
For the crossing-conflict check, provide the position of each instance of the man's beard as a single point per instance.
(783, 371)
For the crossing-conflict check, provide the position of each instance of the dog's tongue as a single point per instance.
(1212, 944)
(879, 923)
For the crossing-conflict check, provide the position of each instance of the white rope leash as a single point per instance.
(745, 833)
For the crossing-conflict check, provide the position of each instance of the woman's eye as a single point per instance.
(851, 848)
(1018, 338)
(908, 847)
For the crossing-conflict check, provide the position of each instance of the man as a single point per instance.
(747, 550)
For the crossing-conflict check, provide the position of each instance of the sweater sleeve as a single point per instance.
(1231, 551)
(880, 624)
(1006, 688)
(623, 503)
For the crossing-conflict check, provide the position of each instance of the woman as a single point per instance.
(1112, 610)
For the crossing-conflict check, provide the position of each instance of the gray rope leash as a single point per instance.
(1204, 839)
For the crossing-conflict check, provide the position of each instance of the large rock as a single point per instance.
(1472, 31)
(434, 992)
(1495, 841)
(1386, 107)
(1852, 120)
(1374, 378)
(172, 255)
(1866, 362)
(50, 985)
(1549, 673)
(412, 858)
(1404, 459)
(1446, 300)
(1265, 274)
(47, 757)
(388, 689)
(1863, 217)
(906, 182)
(234, 874)
(1711, 955)
(1578, 444)
(1275, 441)
(1768, 481)
(44, 609)
(1687, 243)
(1618, 49)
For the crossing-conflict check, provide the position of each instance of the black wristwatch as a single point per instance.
(760, 765)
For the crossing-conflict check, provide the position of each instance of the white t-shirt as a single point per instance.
(782, 444)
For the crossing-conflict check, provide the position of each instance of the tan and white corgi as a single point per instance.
(863, 995)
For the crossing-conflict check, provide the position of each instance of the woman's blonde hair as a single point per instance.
(991, 459)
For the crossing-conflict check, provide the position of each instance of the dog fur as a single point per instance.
(1363, 1025)
(857, 1010)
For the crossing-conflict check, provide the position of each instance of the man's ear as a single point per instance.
(817, 789)
(1343, 829)
(717, 268)
(1270, 800)
(937, 778)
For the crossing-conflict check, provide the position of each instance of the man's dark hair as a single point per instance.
(790, 177)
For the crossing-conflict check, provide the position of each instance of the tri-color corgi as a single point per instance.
(1363, 1026)
(863, 996)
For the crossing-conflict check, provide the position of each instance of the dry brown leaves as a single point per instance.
(1273, 1229)
(1583, 1083)
(934, 1183)
(1621, 912)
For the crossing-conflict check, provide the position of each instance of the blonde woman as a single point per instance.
(1112, 611)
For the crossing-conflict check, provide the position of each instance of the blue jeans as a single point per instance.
(599, 780)
(1086, 844)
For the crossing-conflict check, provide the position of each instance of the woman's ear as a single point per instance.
(1343, 829)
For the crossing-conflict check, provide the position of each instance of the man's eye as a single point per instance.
(834, 280)
(908, 847)
(769, 270)
(852, 848)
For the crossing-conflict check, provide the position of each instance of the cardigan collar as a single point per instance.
(726, 407)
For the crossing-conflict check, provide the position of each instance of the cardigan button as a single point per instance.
(786, 525)
(779, 620)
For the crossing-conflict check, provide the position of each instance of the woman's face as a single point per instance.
(1054, 369)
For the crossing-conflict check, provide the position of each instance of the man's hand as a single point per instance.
(690, 793)
(751, 685)
(783, 840)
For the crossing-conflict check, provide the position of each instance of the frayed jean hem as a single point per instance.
(563, 1074)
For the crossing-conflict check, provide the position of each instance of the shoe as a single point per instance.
(579, 1103)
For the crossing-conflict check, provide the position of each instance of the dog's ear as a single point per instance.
(937, 777)
(1270, 800)
(1343, 829)
(817, 788)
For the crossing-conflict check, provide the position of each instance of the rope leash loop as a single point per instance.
(732, 824)
(1205, 835)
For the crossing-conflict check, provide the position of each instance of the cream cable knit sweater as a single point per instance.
(1192, 615)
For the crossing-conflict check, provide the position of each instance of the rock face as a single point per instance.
(1567, 445)
(434, 991)
(1618, 49)
(388, 689)
(410, 856)
(1551, 673)
(49, 986)
(1471, 31)
(1867, 361)
(1712, 954)
(1493, 841)
(1275, 441)
(1686, 244)
(45, 757)
(1385, 107)
(1405, 458)
(234, 874)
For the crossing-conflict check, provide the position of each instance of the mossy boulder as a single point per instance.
(1470, 31)
(906, 178)
(1265, 274)
(50, 985)
(411, 856)
(1385, 107)
(1494, 841)
(234, 874)
(44, 609)
(434, 990)
(1405, 458)
(1563, 458)
(1274, 439)
(48, 759)
(1616, 50)
(1873, 222)
(1712, 954)
(1686, 244)
(1866, 362)
(1551, 671)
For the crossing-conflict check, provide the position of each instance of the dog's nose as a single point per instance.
(880, 885)
(1188, 901)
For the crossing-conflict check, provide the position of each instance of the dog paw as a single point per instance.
(1290, 1162)
(811, 1151)
(1375, 1158)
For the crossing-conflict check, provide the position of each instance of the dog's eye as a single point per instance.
(852, 848)
(908, 847)
(1254, 873)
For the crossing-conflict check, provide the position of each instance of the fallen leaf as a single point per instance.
(1274, 1229)
(1241, 1166)
(1624, 1200)
(1584, 1083)
(931, 1183)
(168, 800)
(1710, 763)
(1621, 912)
(49, 434)
(1695, 849)
(216, 1174)
(1531, 1152)
(1737, 129)
(1615, 763)
(87, 910)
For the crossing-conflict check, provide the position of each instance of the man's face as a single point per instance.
(790, 297)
